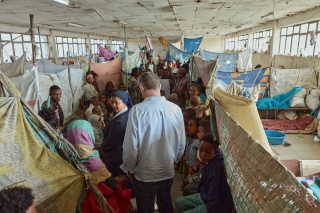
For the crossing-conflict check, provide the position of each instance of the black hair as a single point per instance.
(258, 66)
(197, 120)
(134, 70)
(162, 91)
(124, 178)
(16, 199)
(53, 88)
(206, 125)
(198, 87)
(49, 115)
(191, 112)
(186, 67)
(200, 82)
(209, 138)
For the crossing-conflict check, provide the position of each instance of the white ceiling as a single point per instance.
(167, 18)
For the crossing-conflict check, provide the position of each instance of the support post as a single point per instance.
(32, 39)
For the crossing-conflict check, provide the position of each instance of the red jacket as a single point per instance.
(122, 197)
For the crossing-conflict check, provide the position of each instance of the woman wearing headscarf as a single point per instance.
(81, 136)
(115, 130)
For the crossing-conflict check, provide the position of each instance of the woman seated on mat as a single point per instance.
(81, 136)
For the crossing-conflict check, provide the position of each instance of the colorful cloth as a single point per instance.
(81, 136)
(122, 197)
(312, 182)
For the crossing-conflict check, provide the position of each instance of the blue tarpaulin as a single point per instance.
(248, 79)
(174, 54)
(227, 61)
(191, 44)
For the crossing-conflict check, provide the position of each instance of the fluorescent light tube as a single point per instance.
(98, 12)
(74, 25)
(66, 2)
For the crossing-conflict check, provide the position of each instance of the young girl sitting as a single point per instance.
(195, 104)
(215, 195)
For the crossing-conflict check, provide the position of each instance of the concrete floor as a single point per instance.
(303, 147)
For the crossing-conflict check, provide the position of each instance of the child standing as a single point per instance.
(215, 195)
(195, 104)
(123, 194)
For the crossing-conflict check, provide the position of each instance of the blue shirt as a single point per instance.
(154, 140)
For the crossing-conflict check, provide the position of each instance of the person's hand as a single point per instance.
(130, 176)
(185, 182)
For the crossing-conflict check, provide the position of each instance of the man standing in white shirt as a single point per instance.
(153, 142)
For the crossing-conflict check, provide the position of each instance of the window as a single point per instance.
(243, 42)
(261, 40)
(14, 44)
(117, 46)
(295, 40)
(94, 45)
(75, 47)
(230, 44)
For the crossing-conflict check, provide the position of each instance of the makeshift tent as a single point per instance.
(246, 79)
(283, 80)
(32, 154)
(202, 69)
(191, 44)
(258, 182)
(245, 61)
(129, 62)
(227, 61)
(109, 71)
(34, 84)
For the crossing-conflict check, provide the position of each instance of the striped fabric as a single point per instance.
(81, 136)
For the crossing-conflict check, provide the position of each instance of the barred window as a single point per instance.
(295, 40)
(14, 44)
(243, 42)
(75, 47)
(117, 46)
(261, 40)
(230, 44)
(94, 45)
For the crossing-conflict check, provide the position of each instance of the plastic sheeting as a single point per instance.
(56, 185)
(202, 69)
(283, 80)
(108, 72)
(227, 61)
(245, 61)
(17, 68)
(247, 79)
(129, 62)
(173, 54)
(107, 54)
(191, 44)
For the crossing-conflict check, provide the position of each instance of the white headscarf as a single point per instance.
(96, 120)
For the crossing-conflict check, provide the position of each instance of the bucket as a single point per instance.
(275, 137)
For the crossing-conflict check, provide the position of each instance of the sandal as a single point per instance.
(286, 144)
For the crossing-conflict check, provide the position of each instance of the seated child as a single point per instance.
(187, 115)
(200, 109)
(94, 102)
(214, 192)
(49, 115)
(122, 87)
(123, 193)
(191, 184)
(102, 103)
(174, 98)
(192, 131)
(109, 115)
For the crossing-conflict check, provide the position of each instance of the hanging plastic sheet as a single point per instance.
(247, 79)
(174, 54)
(202, 69)
(227, 61)
(245, 61)
(107, 54)
(192, 44)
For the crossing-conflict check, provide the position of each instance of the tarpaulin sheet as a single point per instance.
(191, 44)
(108, 72)
(202, 69)
(227, 61)
(28, 84)
(55, 184)
(17, 68)
(245, 61)
(129, 62)
(107, 54)
(247, 79)
(283, 80)
(174, 54)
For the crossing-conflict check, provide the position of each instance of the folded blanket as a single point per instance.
(298, 124)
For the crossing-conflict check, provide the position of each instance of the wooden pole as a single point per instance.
(32, 39)
(40, 43)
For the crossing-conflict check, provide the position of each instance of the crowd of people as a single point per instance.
(133, 140)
